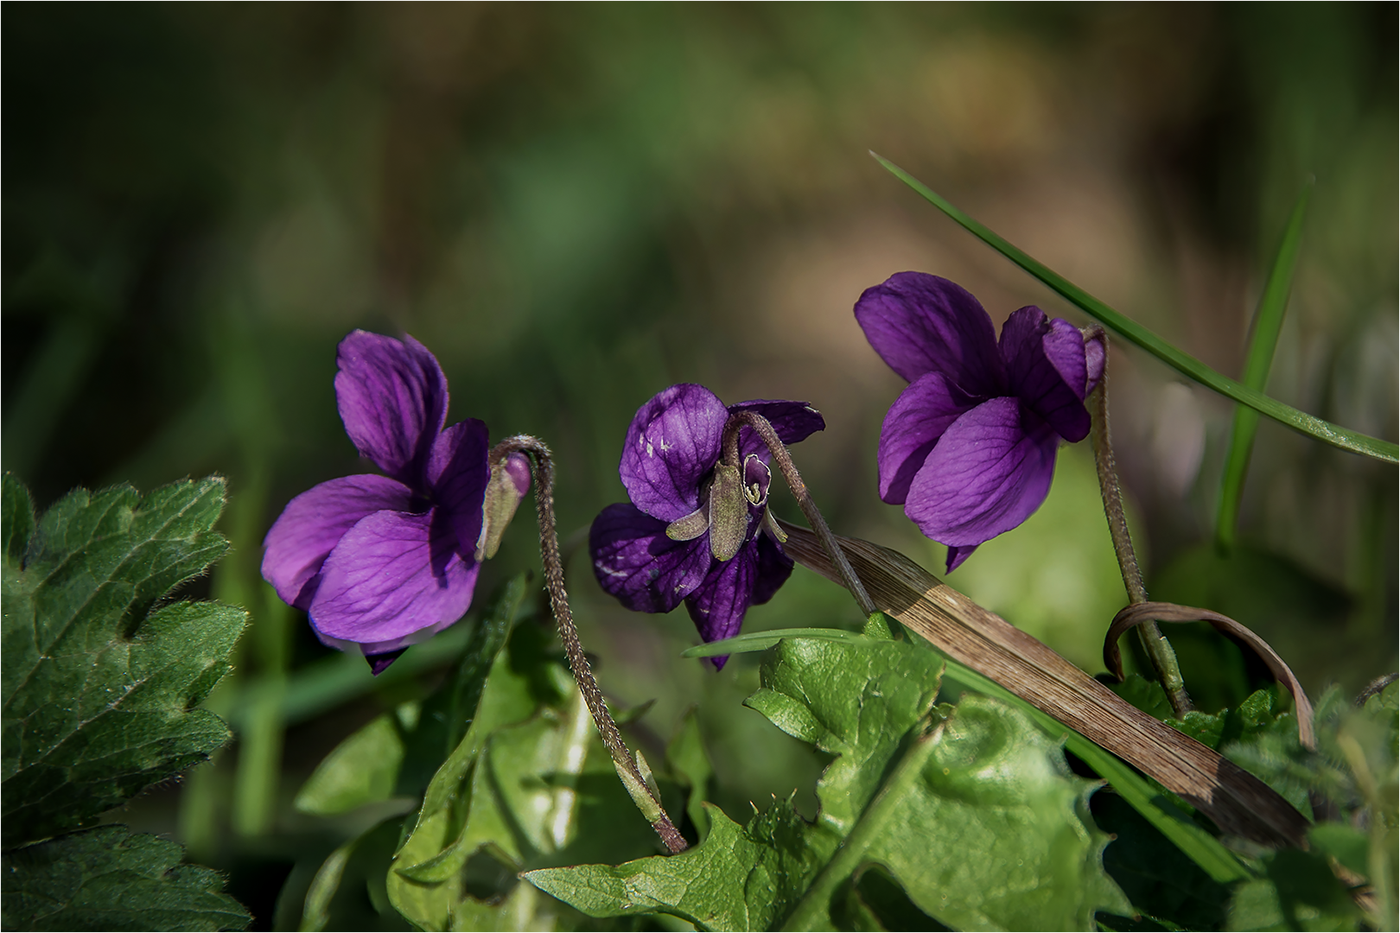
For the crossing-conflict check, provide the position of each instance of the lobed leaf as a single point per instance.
(110, 879)
(99, 690)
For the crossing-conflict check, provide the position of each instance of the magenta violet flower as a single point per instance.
(691, 533)
(969, 447)
(383, 562)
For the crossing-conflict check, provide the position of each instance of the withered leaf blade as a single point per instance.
(1238, 802)
(1171, 612)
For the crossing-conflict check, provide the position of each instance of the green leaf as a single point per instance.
(1347, 844)
(110, 879)
(687, 759)
(99, 691)
(1298, 892)
(1268, 321)
(739, 878)
(350, 884)
(17, 519)
(1136, 333)
(397, 753)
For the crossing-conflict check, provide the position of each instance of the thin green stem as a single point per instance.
(1154, 643)
(640, 790)
(783, 459)
(813, 912)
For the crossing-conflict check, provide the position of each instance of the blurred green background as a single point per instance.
(576, 206)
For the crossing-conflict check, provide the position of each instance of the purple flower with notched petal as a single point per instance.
(692, 531)
(969, 447)
(383, 562)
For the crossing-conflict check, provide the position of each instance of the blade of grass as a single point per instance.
(1136, 333)
(1268, 321)
(762, 641)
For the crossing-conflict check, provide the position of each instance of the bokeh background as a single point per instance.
(576, 206)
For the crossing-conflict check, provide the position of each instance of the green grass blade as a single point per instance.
(762, 641)
(1136, 333)
(1268, 321)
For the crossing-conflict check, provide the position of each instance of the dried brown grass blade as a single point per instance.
(1139, 613)
(1238, 802)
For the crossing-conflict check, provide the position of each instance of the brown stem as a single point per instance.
(622, 758)
(783, 459)
(1154, 643)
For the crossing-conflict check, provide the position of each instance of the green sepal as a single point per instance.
(729, 512)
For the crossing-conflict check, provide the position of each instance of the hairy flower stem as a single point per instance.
(634, 778)
(799, 490)
(1153, 642)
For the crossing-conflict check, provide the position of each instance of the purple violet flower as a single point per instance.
(692, 529)
(969, 447)
(383, 562)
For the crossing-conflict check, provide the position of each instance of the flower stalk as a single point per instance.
(1159, 651)
(783, 459)
(633, 777)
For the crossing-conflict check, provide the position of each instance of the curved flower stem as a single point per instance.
(634, 778)
(809, 508)
(1158, 649)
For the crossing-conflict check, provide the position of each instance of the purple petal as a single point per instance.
(792, 422)
(379, 663)
(392, 575)
(921, 323)
(312, 525)
(392, 397)
(956, 555)
(394, 646)
(717, 608)
(774, 568)
(672, 443)
(1046, 369)
(986, 475)
(914, 423)
(635, 561)
(457, 472)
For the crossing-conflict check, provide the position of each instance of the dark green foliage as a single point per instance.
(99, 691)
(109, 879)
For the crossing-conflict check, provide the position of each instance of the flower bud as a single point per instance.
(507, 485)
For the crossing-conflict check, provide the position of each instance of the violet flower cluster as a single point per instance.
(969, 447)
(383, 562)
(697, 530)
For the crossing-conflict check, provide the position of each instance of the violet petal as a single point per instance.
(1045, 360)
(671, 444)
(312, 525)
(717, 607)
(791, 421)
(773, 566)
(392, 575)
(379, 663)
(986, 475)
(920, 323)
(956, 555)
(458, 472)
(636, 562)
(392, 396)
(914, 423)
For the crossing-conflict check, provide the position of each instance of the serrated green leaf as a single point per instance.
(1268, 321)
(1136, 333)
(16, 519)
(98, 689)
(855, 702)
(109, 879)
(739, 878)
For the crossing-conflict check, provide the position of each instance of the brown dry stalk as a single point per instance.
(1238, 802)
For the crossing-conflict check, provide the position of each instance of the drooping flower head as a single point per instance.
(697, 529)
(383, 562)
(969, 447)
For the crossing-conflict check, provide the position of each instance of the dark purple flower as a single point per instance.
(969, 447)
(383, 562)
(692, 530)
